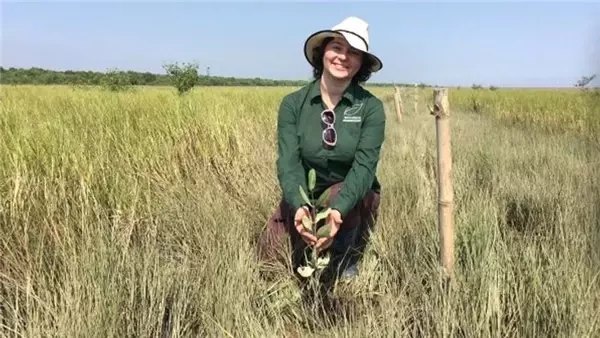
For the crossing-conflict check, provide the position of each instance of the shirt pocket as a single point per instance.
(348, 138)
(311, 145)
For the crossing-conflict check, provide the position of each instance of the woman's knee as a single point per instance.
(367, 207)
(334, 191)
(274, 236)
(370, 204)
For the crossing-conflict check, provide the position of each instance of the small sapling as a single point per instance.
(319, 212)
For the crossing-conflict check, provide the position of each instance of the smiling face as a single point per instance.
(341, 60)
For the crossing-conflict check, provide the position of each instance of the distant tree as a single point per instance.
(116, 80)
(584, 81)
(183, 76)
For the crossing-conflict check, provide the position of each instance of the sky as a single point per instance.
(510, 43)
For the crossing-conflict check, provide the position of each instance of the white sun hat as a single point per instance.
(354, 30)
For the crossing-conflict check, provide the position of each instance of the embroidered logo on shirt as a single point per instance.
(351, 112)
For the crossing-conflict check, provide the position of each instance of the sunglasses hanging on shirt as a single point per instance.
(329, 135)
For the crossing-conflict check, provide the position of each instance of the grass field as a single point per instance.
(136, 213)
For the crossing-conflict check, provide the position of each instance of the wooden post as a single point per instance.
(398, 102)
(441, 111)
(416, 98)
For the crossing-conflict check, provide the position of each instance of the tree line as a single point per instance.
(119, 78)
(39, 76)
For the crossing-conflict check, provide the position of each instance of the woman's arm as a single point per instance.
(360, 177)
(290, 171)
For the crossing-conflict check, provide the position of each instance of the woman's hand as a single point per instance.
(335, 219)
(306, 236)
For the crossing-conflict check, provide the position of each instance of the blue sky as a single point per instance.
(442, 43)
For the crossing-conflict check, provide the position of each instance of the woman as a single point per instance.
(336, 127)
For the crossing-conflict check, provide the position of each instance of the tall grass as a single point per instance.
(136, 214)
(572, 111)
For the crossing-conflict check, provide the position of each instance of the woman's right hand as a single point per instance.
(306, 236)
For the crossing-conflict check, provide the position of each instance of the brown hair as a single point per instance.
(363, 74)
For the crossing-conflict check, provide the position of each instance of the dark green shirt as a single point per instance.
(360, 125)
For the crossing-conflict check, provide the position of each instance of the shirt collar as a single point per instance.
(315, 92)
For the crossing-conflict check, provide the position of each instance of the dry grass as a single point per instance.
(136, 214)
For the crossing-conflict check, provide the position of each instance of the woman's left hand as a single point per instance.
(335, 219)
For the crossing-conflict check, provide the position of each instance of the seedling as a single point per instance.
(319, 212)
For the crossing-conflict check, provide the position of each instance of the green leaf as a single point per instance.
(322, 215)
(304, 196)
(312, 179)
(307, 223)
(324, 231)
(305, 271)
(322, 201)
(322, 262)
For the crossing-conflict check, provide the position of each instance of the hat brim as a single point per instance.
(315, 39)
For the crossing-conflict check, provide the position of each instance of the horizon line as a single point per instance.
(386, 83)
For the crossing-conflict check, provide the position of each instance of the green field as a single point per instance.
(135, 213)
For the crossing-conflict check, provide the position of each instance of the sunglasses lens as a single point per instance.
(329, 135)
(328, 117)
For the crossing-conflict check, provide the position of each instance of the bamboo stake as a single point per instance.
(398, 102)
(441, 111)
(416, 98)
